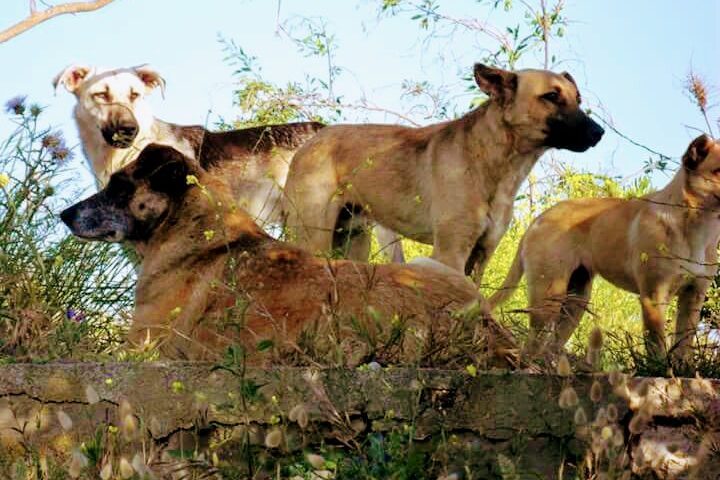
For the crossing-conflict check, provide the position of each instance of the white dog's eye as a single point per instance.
(133, 96)
(104, 96)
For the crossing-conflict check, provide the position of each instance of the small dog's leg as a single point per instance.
(690, 300)
(653, 312)
(546, 300)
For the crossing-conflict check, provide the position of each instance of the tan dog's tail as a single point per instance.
(511, 281)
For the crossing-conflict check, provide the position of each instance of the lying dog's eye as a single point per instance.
(553, 97)
(716, 171)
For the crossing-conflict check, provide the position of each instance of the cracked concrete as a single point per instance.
(490, 423)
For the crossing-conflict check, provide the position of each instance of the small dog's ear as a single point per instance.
(697, 151)
(151, 78)
(495, 82)
(72, 77)
(569, 78)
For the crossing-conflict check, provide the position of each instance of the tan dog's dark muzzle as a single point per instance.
(575, 132)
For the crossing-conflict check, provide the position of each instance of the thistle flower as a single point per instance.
(16, 105)
(55, 145)
(75, 315)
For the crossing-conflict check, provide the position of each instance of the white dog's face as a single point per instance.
(112, 100)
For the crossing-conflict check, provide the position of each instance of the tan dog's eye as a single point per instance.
(553, 97)
(134, 96)
(103, 96)
(716, 171)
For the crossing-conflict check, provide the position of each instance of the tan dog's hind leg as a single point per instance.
(575, 304)
(690, 301)
(546, 299)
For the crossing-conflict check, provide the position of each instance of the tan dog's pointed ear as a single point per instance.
(697, 152)
(495, 82)
(72, 77)
(569, 78)
(151, 78)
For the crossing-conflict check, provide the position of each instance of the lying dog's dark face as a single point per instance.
(136, 200)
(543, 107)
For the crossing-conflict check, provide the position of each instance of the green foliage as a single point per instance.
(59, 297)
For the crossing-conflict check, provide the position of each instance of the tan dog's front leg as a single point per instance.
(653, 312)
(690, 301)
(456, 235)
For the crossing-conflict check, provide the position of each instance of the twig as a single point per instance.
(36, 17)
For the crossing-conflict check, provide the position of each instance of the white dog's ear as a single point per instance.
(151, 78)
(495, 82)
(72, 77)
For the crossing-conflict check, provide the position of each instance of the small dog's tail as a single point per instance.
(511, 281)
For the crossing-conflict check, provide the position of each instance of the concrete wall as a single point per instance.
(166, 419)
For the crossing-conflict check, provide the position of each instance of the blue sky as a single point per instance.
(631, 58)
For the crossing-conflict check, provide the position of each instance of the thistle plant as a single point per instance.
(59, 297)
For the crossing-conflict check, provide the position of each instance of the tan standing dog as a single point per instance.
(658, 246)
(451, 184)
(211, 277)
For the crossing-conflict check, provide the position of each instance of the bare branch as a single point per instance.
(37, 17)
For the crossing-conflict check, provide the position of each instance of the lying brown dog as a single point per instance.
(658, 246)
(210, 277)
(451, 184)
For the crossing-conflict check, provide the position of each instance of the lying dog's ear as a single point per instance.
(696, 152)
(72, 77)
(495, 82)
(164, 168)
(151, 78)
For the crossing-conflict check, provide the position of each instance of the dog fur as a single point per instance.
(658, 246)
(115, 123)
(211, 277)
(450, 184)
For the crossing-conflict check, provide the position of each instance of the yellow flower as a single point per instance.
(209, 234)
(4, 180)
(472, 370)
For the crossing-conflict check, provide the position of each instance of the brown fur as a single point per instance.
(451, 184)
(199, 292)
(658, 246)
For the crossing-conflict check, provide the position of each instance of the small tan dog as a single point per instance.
(658, 246)
(210, 277)
(451, 184)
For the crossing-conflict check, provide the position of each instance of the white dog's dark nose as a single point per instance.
(120, 136)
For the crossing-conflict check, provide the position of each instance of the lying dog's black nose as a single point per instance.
(68, 215)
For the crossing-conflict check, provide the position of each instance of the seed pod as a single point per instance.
(568, 397)
(563, 366)
(273, 439)
(596, 392)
